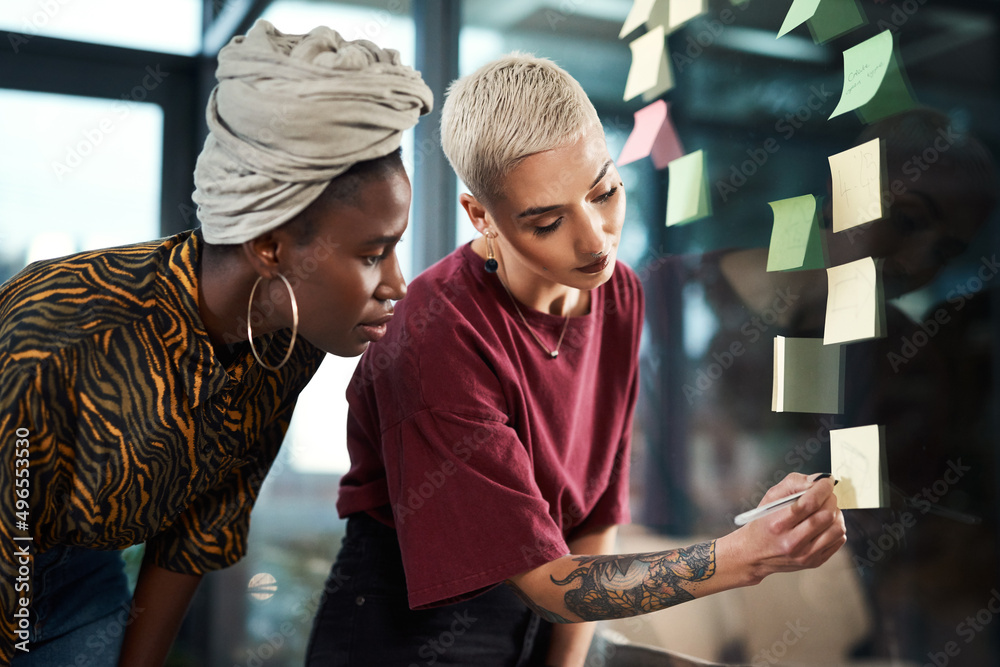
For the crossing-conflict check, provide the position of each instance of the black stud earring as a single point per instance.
(491, 261)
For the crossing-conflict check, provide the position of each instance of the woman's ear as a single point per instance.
(262, 253)
(476, 211)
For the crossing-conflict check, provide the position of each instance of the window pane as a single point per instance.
(172, 26)
(83, 173)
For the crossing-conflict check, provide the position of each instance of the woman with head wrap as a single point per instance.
(147, 388)
(489, 431)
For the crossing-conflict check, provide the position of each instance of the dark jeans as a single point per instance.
(79, 611)
(365, 620)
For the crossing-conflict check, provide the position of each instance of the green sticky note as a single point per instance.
(874, 83)
(687, 194)
(800, 12)
(834, 18)
(827, 19)
(808, 376)
(796, 242)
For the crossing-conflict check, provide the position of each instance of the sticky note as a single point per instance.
(800, 12)
(855, 302)
(650, 72)
(874, 83)
(682, 11)
(856, 180)
(650, 13)
(652, 135)
(796, 242)
(857, 461)
(827, 19)
(687, 194)
(808, 376)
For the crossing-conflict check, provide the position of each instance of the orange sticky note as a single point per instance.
(652, 135)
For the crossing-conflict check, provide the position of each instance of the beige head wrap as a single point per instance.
(291, 113)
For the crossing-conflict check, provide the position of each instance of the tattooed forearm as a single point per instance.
(621, 586)
(549, 616)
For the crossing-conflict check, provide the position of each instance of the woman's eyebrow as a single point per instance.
(538, 210)
(604, 170)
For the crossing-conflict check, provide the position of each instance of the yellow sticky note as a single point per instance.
(682, 11)
(856, 177)
(808, 376)
(796, 242)
(650, 13)
(855, 302)
(874, 83)
(650, 71)
(857, 461)
(687, 194)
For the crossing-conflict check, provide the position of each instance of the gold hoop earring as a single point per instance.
(491, 261)
(295, 324)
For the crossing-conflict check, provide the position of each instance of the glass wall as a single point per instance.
(917, 583)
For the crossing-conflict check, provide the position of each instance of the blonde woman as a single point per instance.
(489, 431)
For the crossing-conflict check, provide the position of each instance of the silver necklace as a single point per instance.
(552, 353)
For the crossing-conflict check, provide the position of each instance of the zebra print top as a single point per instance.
(135, 430)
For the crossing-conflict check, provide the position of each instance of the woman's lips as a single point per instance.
(375, 330)
(597, 266)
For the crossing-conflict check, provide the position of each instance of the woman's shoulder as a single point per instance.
(76, 296)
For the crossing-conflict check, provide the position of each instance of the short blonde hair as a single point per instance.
(508, 109)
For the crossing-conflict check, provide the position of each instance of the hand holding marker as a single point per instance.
(774, 506)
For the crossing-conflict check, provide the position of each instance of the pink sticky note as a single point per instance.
(654, 135)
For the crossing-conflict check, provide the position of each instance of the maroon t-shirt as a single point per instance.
(491, 454)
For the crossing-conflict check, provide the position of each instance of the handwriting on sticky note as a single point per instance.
(795, 237)
(855, 305)
(856, 176)
(650, 71)
(857, 462)
(687, 193)
(652, 135)
(874, 83)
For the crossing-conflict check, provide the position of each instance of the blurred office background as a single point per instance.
(101, 120)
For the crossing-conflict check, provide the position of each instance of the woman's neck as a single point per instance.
(535, 291)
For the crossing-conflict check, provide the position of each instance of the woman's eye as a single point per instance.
(548, 229)
(607, 195)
